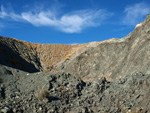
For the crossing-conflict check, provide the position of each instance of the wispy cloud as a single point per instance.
(3, 14)
(9, 15)
(72, 22)
(136, 13)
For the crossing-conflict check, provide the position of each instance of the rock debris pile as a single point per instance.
(63, 92)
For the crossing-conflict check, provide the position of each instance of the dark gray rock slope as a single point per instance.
(22, 92)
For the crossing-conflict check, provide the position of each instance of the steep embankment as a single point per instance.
(34, 57)
(14, 53)
(115, 58)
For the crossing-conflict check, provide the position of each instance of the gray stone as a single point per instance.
(5, 110)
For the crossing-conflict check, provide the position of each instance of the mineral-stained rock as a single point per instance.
(111, 76)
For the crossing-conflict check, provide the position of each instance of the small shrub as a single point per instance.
(42, 95)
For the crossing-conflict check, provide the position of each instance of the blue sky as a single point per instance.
(70, 21)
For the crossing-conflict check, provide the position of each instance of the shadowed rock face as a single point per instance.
(19, 59)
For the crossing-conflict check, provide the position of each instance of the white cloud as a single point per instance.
(136, 13)
(39, 19)
(82, 19)
(70, 23)
(3, 14)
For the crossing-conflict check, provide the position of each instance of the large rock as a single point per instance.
(115, 58)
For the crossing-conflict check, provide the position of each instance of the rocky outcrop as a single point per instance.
(14, 54)
(112, 58)
(115, 58)
(35, 56)
(100, 77)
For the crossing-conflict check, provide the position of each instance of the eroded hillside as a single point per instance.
(16, 54)
(112, 58)
(40, 56)
(115, 58)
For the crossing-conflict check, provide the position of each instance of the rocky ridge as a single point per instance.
(99, 77)
(114, 58)
(42, 56)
